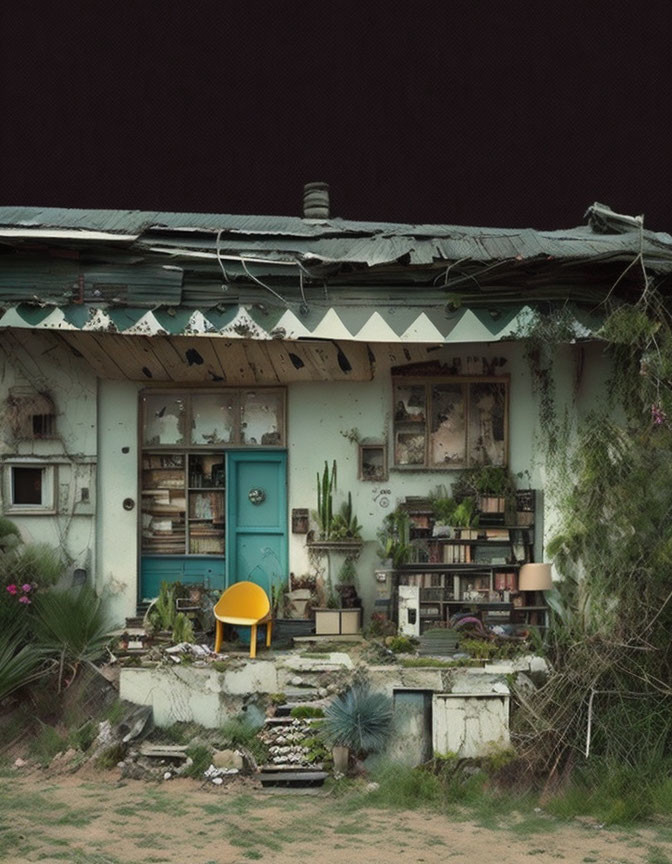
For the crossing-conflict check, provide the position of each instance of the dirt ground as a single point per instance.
(94, 818)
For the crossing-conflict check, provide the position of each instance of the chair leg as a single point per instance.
(219, 632)
(253, 642)
(269, 625)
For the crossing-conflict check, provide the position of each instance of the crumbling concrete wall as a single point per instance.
(470, 725)
(209, 697)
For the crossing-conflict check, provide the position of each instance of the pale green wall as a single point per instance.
(318, 413)
(117, 548)
(32, 360)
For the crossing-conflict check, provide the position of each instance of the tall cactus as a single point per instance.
(325, 487)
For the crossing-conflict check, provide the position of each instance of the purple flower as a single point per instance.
(26, 588)
(658, 416)
(24, 599)
(12, 589)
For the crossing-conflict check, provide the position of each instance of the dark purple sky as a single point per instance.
(482, 112)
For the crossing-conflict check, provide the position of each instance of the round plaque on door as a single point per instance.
(256, 495)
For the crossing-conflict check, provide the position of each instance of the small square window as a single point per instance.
(27, 486)
(30, 488)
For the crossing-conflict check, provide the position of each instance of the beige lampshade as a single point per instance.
(535, 577)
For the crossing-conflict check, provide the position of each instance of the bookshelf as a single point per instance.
(183, 504)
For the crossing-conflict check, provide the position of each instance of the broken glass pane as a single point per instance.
(164, 419)
(261, 418)
(212, 418)
(448, 439)
(487, 423)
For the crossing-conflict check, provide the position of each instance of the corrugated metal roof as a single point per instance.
(164, 259)
(138, 221)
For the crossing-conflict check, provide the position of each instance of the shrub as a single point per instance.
(46, 745)
(402, 645)
(72, 625)
(201, 756)
(240, 732)
(359, 719)
(183, 630)
(303, 712)
(19, 663)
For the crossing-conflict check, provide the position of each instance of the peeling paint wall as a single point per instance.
(97, 421)
(33, 363)
(117, 547)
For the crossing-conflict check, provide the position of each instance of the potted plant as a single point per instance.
(347, 585)
(342, 614)
(465, 518)
(301, 593)
(394, 538)
(443, 509)
(358, 722)
(494, 486)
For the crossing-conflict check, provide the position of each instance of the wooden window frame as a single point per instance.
(235, 442)
(428, 382)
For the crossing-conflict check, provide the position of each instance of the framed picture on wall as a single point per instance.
(373, 462)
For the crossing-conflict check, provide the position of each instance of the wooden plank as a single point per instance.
(141, 349)
(346, 361)
(291, 362)
(259, 362)
(171, 361)
(112, 345)
(103, 365)
(233, 361)
(200, 346)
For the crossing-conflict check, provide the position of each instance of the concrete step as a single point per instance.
(286, 709)
(296, 778)
(295, 695)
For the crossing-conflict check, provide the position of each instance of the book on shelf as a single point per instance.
(454, 553)
(496, 533)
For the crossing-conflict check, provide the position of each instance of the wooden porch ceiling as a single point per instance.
(205, 359)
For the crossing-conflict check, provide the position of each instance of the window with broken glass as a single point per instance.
(443, 423)
(184, 439)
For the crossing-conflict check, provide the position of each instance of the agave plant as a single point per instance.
(19, 663)
(359, 719)
(72, 626)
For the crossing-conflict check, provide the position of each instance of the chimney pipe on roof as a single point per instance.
(316, 201)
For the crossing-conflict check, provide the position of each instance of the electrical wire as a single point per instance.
(259, 282)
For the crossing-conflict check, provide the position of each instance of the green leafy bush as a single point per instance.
(304, 712)
(402, 645)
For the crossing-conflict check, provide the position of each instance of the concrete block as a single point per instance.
(470, 724)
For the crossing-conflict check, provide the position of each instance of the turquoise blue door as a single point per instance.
(256, 526)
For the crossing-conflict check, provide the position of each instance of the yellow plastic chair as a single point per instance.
(244, 604)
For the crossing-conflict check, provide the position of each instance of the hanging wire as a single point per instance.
(259, 282)
(225, 284)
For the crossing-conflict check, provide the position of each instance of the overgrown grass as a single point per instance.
(46, 744)
(239, 732)
(201, 756)
(435, 663)
(616, 794)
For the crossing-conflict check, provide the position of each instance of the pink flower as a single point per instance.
(26, 588)
(12, 589)
(658, 415)
(24, 599)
